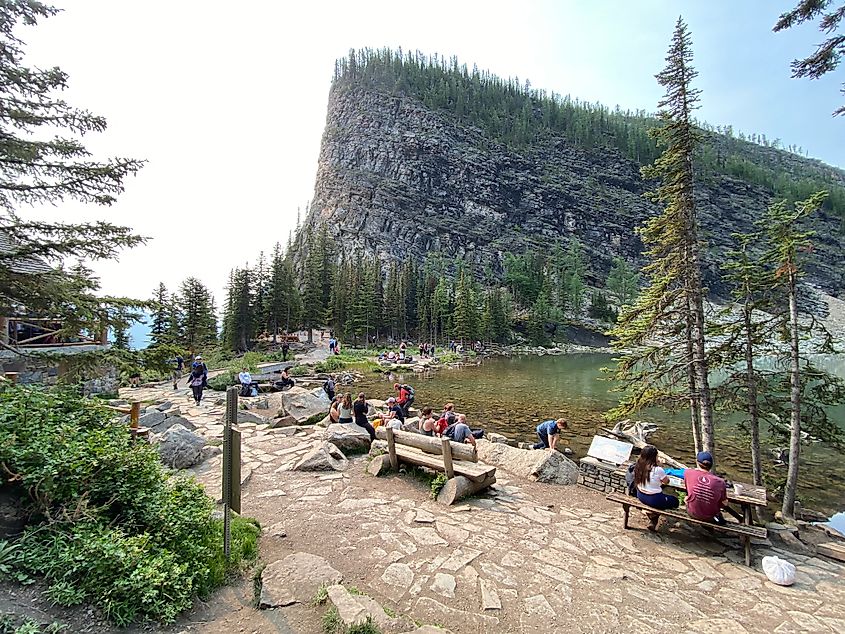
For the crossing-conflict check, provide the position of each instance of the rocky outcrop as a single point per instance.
(397, 179)
(304, 406)
(538, 465)
(180, 448)
(295, 579)
(348, 438)
(324, 457)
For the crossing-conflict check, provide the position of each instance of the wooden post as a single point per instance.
(231, 467)
(4, 330)
(625, 509)
(134, 416)
(447, 458)
(391, 449)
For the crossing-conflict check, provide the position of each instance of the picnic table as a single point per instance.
(746, 495)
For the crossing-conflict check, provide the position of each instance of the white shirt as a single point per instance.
(653, 484)
(395, 423)
(245, 378)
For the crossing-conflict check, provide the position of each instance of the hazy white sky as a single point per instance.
(227, 100)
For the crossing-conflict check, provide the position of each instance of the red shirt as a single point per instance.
(705, 493)
(403, 396)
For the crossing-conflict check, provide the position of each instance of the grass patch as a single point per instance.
(257, 583)
(321, 596)
(367, 626)
(9, 625)
(332, 623)
(437, 484)
(389, 612)
(299, 370)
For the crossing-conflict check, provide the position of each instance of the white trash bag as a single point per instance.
(779, 571)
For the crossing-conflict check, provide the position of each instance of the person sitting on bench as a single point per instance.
(247, 383)
(395, 414)
(427, 423)
(285, 380)
(707, 493)
(460, 431)
(649, 480)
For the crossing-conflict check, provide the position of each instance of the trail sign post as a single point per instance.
(231, 467)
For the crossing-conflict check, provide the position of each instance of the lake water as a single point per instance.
(512, 395)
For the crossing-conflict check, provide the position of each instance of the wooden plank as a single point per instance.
(475, 471)
(832, 549)
(740, 529)
(430, 444)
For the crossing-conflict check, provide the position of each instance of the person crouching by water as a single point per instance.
(549, 433)
(360, 408)
(649, 480)
(345, 408)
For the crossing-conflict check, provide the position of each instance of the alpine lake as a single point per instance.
(512, 395)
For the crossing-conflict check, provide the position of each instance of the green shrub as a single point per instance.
(331, 364)
(437, 483)
(299, 370)
(112, 526)
(223, 380)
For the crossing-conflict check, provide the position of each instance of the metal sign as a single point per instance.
(610, 450)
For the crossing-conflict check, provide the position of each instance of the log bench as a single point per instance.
(458, 461)
(744, 531)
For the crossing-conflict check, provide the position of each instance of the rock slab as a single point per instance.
(324, 457)
(537, 465)
(180, 448)
(295, 579)
(348, 438)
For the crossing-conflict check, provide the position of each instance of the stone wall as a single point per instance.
(601, 476)
(46, 371)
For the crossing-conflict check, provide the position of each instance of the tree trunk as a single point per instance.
(751, 384)
(794, 400)
(695, 414)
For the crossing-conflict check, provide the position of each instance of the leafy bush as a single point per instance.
(437, 483)
(299, 370)
(331, 364)
(113, 527)
(223, 380)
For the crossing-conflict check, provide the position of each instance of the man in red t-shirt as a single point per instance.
(706, 493)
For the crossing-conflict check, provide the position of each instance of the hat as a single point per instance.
(199, 356)
(395, 386)
(704, 457)
(391, 400)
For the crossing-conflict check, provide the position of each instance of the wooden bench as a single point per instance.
(744, 531)
(458, 461)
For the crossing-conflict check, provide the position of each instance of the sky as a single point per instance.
(227, 101)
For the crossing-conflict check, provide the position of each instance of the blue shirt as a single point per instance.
(548, 427)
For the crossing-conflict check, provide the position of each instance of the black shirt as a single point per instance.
(400, 414)
(360, 409)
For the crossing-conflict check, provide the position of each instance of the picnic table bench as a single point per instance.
(457, 460)
(745, 531)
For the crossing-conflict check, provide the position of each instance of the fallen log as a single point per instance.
(460, 487)
(430, 444)
(639, 444)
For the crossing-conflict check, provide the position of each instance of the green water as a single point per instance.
(511, 395)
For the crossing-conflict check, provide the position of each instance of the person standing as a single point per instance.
(178, 368)
(549, 433)
(331, 345)
(285, 350)
(359, 409)
(329, 387)
(404, 396)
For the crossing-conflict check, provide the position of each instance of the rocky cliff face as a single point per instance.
(400, 180)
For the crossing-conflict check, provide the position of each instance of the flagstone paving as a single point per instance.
(523, 558)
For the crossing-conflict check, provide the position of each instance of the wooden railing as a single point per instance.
(134, 411)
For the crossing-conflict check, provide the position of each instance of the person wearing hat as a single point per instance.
(707, 493)
(394, 412)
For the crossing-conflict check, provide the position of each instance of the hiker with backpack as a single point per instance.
(329, 387)
(404, 396)
(198, 378)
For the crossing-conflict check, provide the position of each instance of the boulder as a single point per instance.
(152, 418)
(538, 465)
(170, 421)
(412, 424)
(295, 579)
(286, 421)
(348, 438)
(164, 406)
(357, 608)
(180, 448)
(305, 406)
(262, 403)
(249, 417)
(378, 447)
(324, 457)
(494, 437)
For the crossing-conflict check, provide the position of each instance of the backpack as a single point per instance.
(409, 390)
(629, 480)
(196, 371)
(449, 432)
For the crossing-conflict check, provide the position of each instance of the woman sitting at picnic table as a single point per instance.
(649, 480)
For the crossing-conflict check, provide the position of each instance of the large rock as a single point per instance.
(172, 421)
(536, 464)
(348, 438)
(152, 418)
(295, 579)
(305, 406)
(250, 417)
(324, 457)
(180, 448)
(355, 608)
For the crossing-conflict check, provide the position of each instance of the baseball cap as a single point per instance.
(704, 457)
(391, 400)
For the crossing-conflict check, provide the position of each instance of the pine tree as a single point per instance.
(537, 320)
(622, 282)
(670, 309)
(161, 314)
(198, 323)
(313, 276)
(465, 315)
(575, 271)
(239, 316)
(260, 285)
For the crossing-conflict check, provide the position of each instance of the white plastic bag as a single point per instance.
(779, 571)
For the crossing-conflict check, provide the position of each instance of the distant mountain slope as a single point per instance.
(420, 156)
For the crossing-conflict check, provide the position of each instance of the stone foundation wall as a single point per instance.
(37, 370)
(601, 476)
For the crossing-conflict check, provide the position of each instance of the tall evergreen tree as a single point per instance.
(313, 276)
(160, 327)
(465, 315)
(670, 309)
(622, 282)
(198, 322)
(239, 317)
